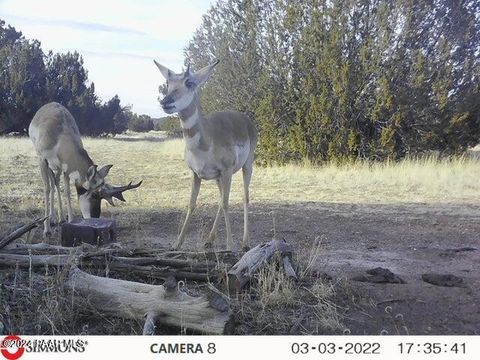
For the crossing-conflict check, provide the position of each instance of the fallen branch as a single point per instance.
(35, 261)
(166, 305)
(20, 231)
(194, 272)
(46, 249)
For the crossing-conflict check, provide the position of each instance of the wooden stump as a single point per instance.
(242, 272)
(91, 231)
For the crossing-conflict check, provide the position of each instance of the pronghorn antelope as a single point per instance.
(57, 141)
(216, 146)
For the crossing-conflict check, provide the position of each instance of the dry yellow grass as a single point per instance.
(167, 181)
(167, 178)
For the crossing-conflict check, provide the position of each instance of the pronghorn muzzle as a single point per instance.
(167, 102)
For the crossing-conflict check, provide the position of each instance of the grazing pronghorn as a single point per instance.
(216, 146)
(57, 141)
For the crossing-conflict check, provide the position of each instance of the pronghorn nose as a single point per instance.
(166, 100)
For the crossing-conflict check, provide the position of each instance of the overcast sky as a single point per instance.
(117, 39)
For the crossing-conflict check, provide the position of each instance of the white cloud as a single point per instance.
(117, 39)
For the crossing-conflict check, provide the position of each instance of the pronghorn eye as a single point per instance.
(189, 84)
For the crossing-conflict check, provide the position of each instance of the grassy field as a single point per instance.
(167, 179)
(440, 184)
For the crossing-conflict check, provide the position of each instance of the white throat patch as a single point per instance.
(192, 142)
(191, 121)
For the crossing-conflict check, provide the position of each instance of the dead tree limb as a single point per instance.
(46, 249)
(20, 231)
(155, 272)
(177, 263)
(134, 300)
(35, 261)
(242, 272)
(114, 265)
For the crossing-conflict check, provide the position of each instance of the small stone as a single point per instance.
(380, 275)
(447, 280)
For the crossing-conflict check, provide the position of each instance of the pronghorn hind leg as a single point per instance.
(44, 171)
(211, 236)
(247, 176)
(196, 182)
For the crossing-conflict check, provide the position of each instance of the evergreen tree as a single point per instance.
(346, 79)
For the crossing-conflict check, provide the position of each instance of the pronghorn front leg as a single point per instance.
(57, 186)
(66, 189)
(196, 182)
(247, 176)
(44, 170)
(51, 177)
(211, 236)
(226, 183)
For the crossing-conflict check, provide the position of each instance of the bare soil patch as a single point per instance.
(410, 240)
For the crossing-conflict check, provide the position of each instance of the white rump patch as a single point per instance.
(241, 155)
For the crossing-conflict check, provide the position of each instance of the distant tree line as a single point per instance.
(346, 79)
(29, 78)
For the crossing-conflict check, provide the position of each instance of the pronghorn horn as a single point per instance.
(117, 191)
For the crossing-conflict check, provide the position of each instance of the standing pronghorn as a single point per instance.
(216, 146)
(57, 141)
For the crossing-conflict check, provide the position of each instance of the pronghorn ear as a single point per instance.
(92, 170)
(103, 172)
(166, 72)
(202, 75)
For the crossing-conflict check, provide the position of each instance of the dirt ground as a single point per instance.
(409, 240)
(406, 217)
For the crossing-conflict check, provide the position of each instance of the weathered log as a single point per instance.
(46, 249)
(134, 300)
(155, 272)
(150, 324)
(4, 241)
(193, 261)
(35, 261)
(242, 272)
(113, 264)
(177, 263)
